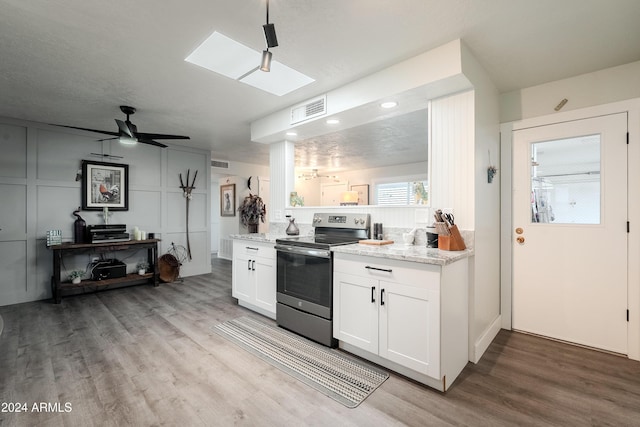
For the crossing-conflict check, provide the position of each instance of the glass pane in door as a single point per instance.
(565, 181)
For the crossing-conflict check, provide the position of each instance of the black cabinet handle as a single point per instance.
(253, 265)
(249, 264)
(379, 269)
(373, 294)
(250, 248)
(382, 297)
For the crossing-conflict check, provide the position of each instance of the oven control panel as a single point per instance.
(351, 220)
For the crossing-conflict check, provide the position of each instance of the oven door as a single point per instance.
(305, 279)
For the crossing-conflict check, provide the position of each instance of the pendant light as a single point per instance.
(272, 41)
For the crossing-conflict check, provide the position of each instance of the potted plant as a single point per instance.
(252, 209)
(142, 267)
(76, 276)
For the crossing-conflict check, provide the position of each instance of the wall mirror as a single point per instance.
(385, 154)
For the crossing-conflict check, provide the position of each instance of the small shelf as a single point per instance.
(106, 282)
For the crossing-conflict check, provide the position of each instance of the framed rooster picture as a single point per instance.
(105, 185)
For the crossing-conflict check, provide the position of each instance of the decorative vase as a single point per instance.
(253, 228)
(142, 271)
(292, 229)
(76, 280)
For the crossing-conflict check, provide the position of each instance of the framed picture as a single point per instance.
(228, 200)
(363, 193)
(105, 185)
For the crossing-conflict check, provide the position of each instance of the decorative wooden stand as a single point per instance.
(58, 287)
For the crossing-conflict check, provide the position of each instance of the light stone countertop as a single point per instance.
(259, 237)
(411, 253)
(420, 254)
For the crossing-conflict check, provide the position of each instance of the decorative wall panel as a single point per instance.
(13, 210)
(13, 162)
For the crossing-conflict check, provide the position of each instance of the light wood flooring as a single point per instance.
(147, 356)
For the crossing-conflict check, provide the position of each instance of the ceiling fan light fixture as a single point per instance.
(127, 140)
(265, 64)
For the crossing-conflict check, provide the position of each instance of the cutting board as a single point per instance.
(376, 242)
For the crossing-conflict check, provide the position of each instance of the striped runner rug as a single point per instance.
(330, 371)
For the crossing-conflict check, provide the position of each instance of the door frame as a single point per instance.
(632, 107)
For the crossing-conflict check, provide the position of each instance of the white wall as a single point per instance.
(39, 192)
(586, 90)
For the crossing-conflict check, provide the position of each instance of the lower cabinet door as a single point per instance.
(355, 311)
(265, 283)
(242, 282)
(410, 327)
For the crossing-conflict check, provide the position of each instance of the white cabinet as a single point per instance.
(254, 276)
(410, 317)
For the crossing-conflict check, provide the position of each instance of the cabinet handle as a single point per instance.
(249, 264)
(382, 297)
(379, 269)
(252, 249)
(373, 294)
(253, 265)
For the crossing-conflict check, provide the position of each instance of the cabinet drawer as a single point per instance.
(253, 249)
(408, 273)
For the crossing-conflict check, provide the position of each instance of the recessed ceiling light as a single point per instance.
(389, 104)
(333, 121)
(292, 133)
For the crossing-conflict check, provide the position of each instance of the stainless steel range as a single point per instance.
(305, 274)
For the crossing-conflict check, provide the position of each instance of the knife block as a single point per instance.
(452, 242)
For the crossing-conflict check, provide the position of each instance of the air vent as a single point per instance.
(309, 109)
(219, 164)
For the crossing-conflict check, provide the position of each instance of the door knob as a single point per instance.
(520, 239)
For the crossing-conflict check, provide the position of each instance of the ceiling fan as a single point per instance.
(128, 132)
(314, 175)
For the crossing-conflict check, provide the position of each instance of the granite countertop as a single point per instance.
(420, 254)
(258, 237)
(411, 253)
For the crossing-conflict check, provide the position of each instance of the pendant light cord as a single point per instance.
(267, 11)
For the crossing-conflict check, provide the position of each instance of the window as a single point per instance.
(403, 193)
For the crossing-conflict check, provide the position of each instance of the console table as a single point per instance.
(59, 287)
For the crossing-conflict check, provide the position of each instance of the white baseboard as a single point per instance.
(483, 342)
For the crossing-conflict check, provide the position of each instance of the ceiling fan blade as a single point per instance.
(124, 129)
(159, 136)
(151, 142)
(106, 132)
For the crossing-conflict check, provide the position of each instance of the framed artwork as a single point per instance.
(363, 193)
(105, 185)
(228, 200)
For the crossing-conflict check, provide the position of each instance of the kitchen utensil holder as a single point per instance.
(452, 242)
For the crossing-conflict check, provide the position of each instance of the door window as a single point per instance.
(565, 181)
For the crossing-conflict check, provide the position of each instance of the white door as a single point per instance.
(570, 231)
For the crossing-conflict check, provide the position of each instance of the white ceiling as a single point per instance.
(74, 62)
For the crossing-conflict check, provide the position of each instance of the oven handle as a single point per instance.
(318, 253)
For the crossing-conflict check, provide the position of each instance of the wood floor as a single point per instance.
(147, 356)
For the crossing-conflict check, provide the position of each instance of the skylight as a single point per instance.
(226, 56)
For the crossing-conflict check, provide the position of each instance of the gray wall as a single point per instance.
(38, 192)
